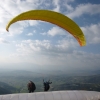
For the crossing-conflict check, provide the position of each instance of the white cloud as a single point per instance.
(59, 3)
(56, 3)
(2, 28)
(61, 55)
(34, 31)
(2, 40)
(45, 47)
(85, 9)
(66, 44)
(29, 34)
(16, 29)
(69, 7)
(34, 50)
(37, 45)
(67, 1)
(56, 31)
(33, 22)
(9, 9)
(44, 33)
(92, 33)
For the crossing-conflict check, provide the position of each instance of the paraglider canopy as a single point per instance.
(55, 18)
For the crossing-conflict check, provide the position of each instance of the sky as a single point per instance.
(35, 44)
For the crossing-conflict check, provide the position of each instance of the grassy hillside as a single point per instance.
(6, 89)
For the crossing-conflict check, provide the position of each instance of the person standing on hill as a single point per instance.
(31, 87)
(46, 85)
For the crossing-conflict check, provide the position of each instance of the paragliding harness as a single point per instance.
(46, 85)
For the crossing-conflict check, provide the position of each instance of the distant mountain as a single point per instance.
(96, 72)
(6, 89)
(43, 73)
(17, 73)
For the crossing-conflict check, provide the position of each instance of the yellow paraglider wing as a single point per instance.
(55, 18)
